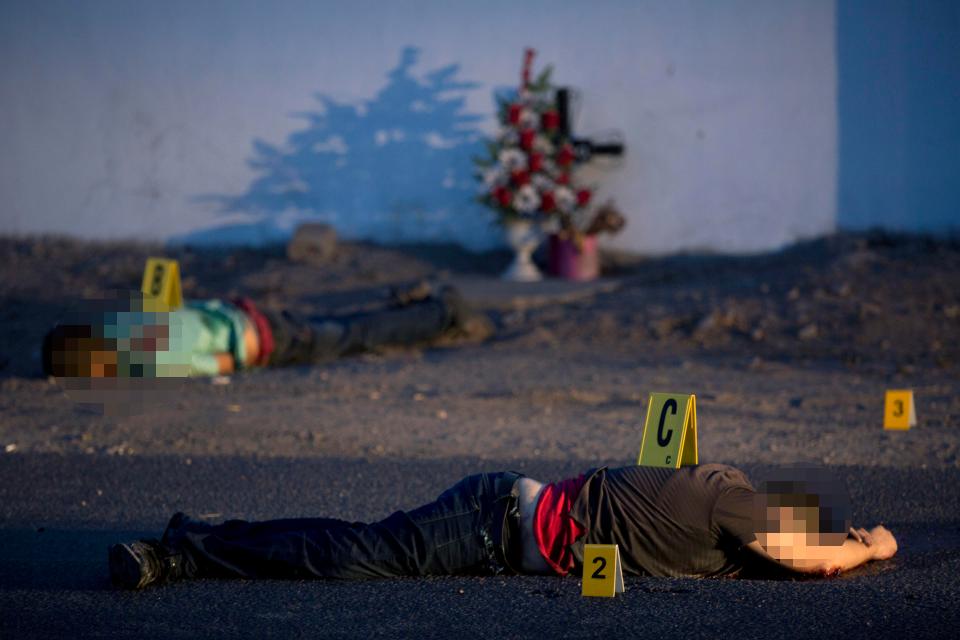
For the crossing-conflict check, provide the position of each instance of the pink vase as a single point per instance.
(568, 262)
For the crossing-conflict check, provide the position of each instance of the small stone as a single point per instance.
(374, 395)
(233, 408)
(442, 414)
(313, 243)
(10, 448)
(219, 381)
(808, 332)
(417, 397)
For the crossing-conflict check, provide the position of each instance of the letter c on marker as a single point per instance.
(670, 404)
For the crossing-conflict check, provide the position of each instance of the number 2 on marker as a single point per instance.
(603, 563)
(602, 572)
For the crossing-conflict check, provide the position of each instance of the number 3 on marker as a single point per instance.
(899, 411)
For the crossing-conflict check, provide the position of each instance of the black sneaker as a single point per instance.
(177, 520)
(134, 565)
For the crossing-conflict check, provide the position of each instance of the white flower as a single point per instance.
(513, 159)
(528, 119)
(551, 168)
(494, 177)
(526, 200)
(565, 198)
(509, 138)
(542, 182)
(543, 145)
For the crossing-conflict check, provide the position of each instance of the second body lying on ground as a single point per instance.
(214, 337)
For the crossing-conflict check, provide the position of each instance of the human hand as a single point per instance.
(879, 540)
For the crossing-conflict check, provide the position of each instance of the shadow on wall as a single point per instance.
(397, 168)
(899, 111)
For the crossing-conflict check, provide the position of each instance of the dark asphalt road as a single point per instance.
(58, 514)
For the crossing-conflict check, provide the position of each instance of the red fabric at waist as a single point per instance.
(553, 528)
(263, 329)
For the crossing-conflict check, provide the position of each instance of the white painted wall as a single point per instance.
(118, 117)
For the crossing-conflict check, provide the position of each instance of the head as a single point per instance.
(110, 338)
(802, 515)
(115, 355)
(79, 351)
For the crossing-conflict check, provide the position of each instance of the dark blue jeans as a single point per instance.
(461, 532)
(300, 341)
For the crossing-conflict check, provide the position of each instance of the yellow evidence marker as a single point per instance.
(673, 442)
(898, 410)
(602, 573)
(161, 281)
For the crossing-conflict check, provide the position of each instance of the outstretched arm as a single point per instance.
(861, 547)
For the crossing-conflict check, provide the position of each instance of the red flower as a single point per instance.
(519, 177)
(583, 197)
(566, 155)
(550, 120)
(535, 161)
(526, 139)
(514, 113)
(563, 178)
(503, 196)
(547, 201)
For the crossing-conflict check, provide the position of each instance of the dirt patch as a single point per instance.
(789, 354)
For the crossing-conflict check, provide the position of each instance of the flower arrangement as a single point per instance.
(528, 172)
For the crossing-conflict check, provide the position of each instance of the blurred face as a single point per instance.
(81, 351)
(83, 356)
(791, 533)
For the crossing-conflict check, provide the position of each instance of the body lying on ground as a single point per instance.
(698, 521)
(215, 337)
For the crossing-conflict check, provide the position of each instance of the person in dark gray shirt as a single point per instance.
(699, 521)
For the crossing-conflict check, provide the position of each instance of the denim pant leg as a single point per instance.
(450, 535)
(413, 324)
(300, 341)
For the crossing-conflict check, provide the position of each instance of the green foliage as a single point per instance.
(542, 83)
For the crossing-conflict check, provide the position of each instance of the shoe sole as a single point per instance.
(124, 567)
